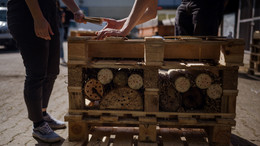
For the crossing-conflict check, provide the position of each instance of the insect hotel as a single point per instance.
(152, 87)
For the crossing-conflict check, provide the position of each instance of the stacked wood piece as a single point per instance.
(254, 66)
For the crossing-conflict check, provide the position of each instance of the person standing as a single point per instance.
(33, 25)
(199, 17)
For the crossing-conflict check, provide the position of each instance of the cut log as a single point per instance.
(214, 91)
(135, 81)
(203, 81)
(94, 90)
(105, 76)
(122, 98)
(182, 84)
(170, 100)
(120, 79)
(193, 99)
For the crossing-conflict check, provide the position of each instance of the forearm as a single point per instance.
(138, 10)
(150, 12)
(71, 5)
(142, 11)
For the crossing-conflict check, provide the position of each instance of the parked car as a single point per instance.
(6, 39)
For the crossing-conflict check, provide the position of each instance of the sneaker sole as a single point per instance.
(58, 127)
(46, 140)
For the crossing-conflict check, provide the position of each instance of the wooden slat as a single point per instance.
(142, 114)
(121, 49)
(123, 139)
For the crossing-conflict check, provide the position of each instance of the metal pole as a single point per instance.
(238, 19)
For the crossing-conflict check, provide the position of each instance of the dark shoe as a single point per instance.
(45, 133)
(53, 123)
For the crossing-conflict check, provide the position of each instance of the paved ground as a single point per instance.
(15, 129)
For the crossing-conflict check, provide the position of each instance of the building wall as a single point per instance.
(107, 8)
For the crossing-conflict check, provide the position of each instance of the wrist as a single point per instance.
(77, 11)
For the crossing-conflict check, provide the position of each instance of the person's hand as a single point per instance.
(43, 29)
(78, 16)
(114, 24)
(109, 32)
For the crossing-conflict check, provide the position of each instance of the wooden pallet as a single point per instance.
(219, 56)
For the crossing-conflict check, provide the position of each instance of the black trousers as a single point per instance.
(40, 58)
(199, 17)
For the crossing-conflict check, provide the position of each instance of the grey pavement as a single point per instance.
(15, 128)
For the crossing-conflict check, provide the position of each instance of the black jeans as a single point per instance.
(199, 17)
(40, 57)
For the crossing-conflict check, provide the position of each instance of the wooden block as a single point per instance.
(147, 132)
(150, 120)
(74, 118)
(75, 76)
(230, 122)
(230, 78)
(78, 131)
(232, 52)
(123, 139)
(151, 101)
(151, 77)
(76, 100)
(76, 50)
(219, 135)
(153, 51)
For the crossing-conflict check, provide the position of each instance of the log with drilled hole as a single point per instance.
(94, 90)
(214, 91)
(203, 81)
(181, 82)
(123, 99)
(135, 81)
(105, 76)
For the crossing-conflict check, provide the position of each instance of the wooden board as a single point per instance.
(105, 136)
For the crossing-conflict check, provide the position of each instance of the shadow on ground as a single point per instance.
(248, 76)
(238, 141)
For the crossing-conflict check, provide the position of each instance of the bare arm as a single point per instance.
(78, 14)
(142, 11)
(41, 25)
